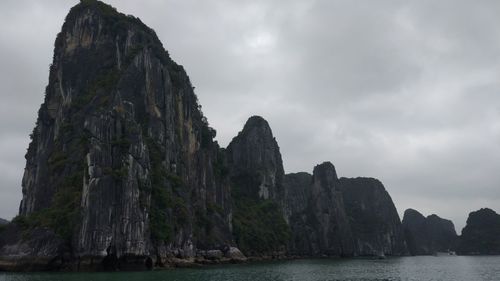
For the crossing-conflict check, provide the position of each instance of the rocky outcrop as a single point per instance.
(320, 226)
(297, 188)
(341, 217)
(122, 171)
(256, 173)
(315, 212)
(374, 221)
(481, 235)
(255, 161)
(428, 235)
(122, 164)
(39, 250)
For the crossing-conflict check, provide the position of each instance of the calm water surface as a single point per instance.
(443, 268)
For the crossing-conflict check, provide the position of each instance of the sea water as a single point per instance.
(422, 268)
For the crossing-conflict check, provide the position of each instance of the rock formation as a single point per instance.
(122, 171)
(428, 235)
(256, 173)
(39, 249)
(481, 235)
(122, 164)
(319, 225)
(346, 217)
(255, 161)
(374, 220)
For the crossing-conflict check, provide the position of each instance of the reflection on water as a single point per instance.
(429, 268)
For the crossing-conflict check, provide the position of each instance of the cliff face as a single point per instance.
(326, 206)
(374, 220)
(256, 173)
(255, 160)
(481, 235)
(428, 235)
(122, 171)
(122, 161)
(346, 217)
(297, 193)
(314, 209)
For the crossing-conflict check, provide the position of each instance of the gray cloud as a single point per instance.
(405, 91)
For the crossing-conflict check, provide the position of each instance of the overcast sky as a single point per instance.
(404, 91)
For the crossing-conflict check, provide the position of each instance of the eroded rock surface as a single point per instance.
(341, 217)
(428, 235)
(255, 161)
(375, 224)
(481, 235)
(256, 173)
(123, 172)
(122, 164)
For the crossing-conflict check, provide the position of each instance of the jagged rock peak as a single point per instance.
(428, 235)
(121, 144)
(481, 234)
(256, 172)
(256, 121)
(255, 159)
(412, 213)
(366, 200)
(99, 8)
(257, 127)
(326, 174)
(416, 215)
(435, 217)
(82, 15)
(483, 213)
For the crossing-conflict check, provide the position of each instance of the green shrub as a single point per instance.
(213, 208)
(105, 82)
(122, 143)
(168, 209)
(62, 215)
(258, 225)
(160, 229)
(57, 161)
(207, 135)
(220, 169)
(203, 225)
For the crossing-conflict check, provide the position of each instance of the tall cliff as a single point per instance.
(256, 173)
(346, 217)
(122, 171)
(374, 220)
(255, 160)
(481, 234)
(305, 214)
(428, 235)
(316, 214)
(122, 161)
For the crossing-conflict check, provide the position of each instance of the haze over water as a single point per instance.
(422, 268)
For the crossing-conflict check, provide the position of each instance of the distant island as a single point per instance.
(123, 172)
